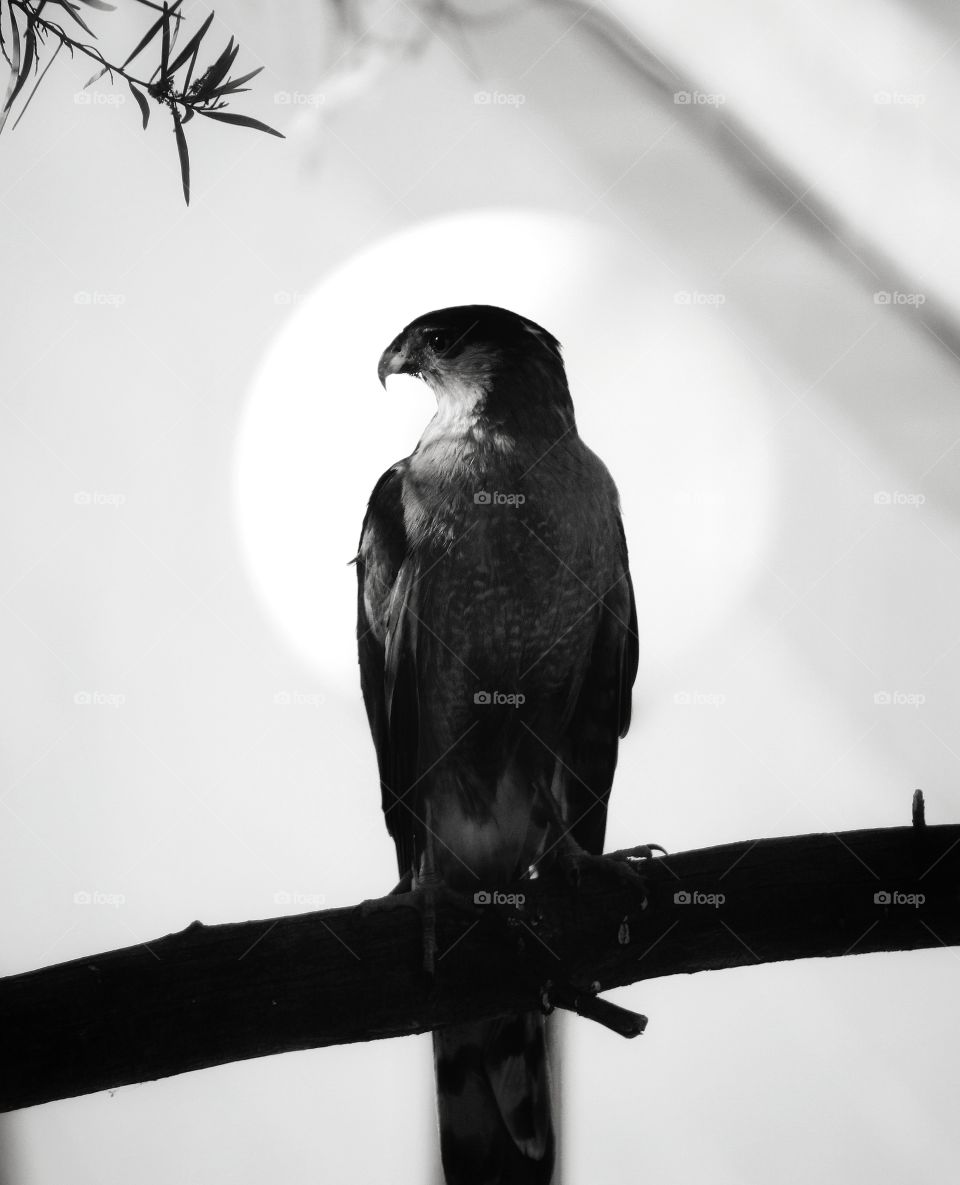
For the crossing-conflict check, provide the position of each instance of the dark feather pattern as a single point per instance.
(497, 641)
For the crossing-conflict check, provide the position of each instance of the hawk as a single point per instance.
(498, 648)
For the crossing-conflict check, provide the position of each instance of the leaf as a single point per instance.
(233, 85)
(73, 10)
(152, 31)
(43, 74)
(23, 70)
(182, 151)
(192, 45)
(141, 103)
(219, 70)
(107, 69)
(14, 71)
(100, 5)
(244, 121)
(190, 69)
(165, 46)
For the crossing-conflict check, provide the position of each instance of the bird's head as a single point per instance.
(484, 362)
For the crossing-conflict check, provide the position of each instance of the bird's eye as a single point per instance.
(438, 341)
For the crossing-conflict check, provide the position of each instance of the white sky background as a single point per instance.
(230, 399)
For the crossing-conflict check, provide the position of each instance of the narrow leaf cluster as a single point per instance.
(29, 28)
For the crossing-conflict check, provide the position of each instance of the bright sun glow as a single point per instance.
(663, 395)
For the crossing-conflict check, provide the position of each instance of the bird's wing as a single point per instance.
(387, 575)
(601, 713)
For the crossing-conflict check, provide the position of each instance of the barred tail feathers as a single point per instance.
(493, 1101)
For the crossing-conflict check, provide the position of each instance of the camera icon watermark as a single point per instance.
(699, 98)
(899, 98)
(696, 897)
(907, 699)
(299, 98)
(508, 699)
(499, 99)
(300, 900)
(99, 98)
(687, 296)
(99, 699)
(497, 498)
(494, 897)
(893, 897)
(710, 699)
(106, 299)
(898, 498)
(98, 498)
(882, 296)
(86, 897)
(298, 699)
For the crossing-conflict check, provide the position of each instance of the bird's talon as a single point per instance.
(644, 852)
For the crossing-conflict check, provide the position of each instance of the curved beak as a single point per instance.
(394, 360)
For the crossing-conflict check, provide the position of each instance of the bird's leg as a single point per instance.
(421, 892)
(627, 866)
(430, 886)
(429, 891)
(427, 879)
(400, 889)
(573, 858)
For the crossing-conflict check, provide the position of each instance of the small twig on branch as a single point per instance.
(611, 1016)
(215, 994)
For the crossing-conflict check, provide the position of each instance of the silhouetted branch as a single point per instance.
(175, 82)
(215, 994)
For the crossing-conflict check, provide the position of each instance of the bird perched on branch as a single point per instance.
(498, 648)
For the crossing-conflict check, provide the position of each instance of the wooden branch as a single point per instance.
(215, 994)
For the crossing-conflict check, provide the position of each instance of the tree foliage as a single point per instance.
(33, 32)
